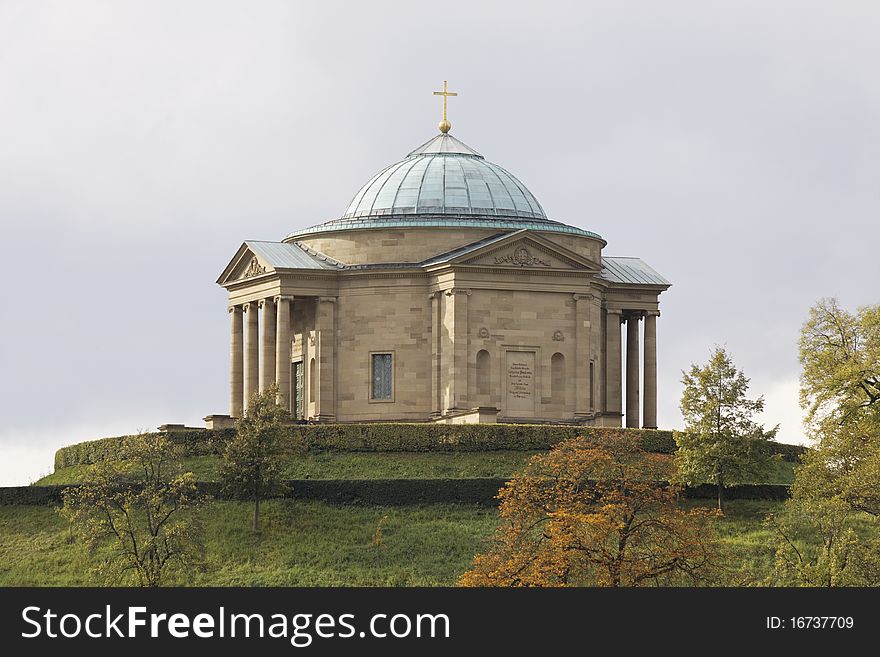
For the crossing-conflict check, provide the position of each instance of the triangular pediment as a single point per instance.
(245, 264)
(524, 250)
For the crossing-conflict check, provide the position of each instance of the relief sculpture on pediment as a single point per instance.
(522, 258)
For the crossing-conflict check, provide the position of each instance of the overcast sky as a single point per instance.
(735, 146)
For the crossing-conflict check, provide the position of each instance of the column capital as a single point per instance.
(614, 311)
(435, 295)
(282, 297)
(458, 290)
(234, 308)
(652, 313)
(247, 305)
(326, 299)
(263, 302)
(583, 297)
(633, 314)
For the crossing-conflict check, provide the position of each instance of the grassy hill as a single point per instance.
(314, 544)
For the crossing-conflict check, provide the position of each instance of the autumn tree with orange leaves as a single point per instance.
(597, 513)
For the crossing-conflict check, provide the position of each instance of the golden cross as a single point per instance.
(444, 123)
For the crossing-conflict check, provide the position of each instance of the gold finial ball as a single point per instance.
(445, 126)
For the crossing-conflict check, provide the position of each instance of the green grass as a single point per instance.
(743, 533)
(316, 544)
(300, 544)
(383, 465)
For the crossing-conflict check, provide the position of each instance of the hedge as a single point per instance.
(394, 438)
(394, 492)
(378, 438)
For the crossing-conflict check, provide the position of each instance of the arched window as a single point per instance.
(483, 373)
(557, 378)
(312, 380)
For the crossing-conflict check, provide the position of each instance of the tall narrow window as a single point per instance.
(557, 378)
(483, 372)
(592, 384)
(382, 387)
(297, 378)
(312, 378)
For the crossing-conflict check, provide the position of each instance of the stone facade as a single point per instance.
(524, 326)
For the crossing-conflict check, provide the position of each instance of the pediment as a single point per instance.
(245, 264)
(526, 251)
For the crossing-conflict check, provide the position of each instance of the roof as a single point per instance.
(433, 182)
(464, 250)
(281, 255)
(444, 183)
(444, 143)
(296, 255)
(633, 271)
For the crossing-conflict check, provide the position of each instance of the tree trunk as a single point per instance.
(721, 494)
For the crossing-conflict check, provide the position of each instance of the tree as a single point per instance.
(140, 507)
(837, 488)
(836, 492)
(252, 463)
(840, 356)
(599, 514)
(721, 444)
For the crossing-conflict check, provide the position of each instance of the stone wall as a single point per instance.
(389, 315)
(373, 246)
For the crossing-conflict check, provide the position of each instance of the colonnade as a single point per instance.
(614, 376)
(248, 347)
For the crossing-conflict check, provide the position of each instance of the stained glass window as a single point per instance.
(382, 373)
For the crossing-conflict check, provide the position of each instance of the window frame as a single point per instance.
(381, 400)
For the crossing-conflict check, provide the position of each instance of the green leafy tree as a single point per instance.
(721, 443)
(840, 356)
(837, 488)
(840, 390)
(136, 514)
(252, 463)
(836, 493)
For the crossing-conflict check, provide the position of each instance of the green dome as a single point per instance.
(444, 182)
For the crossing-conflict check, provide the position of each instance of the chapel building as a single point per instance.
(444, 294)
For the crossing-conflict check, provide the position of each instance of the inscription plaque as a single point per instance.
(520, 383)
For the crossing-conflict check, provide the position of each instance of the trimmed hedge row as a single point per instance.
(790, 453)
(193, 442)
(394, 438)
(378, 438)
(31, 495)
(395, 492)
(740, 492)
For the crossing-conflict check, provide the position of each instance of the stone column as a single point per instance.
(267, 345)
(632, 370)
(597, 355)
(582, 329)
(457, 324)
(436, 403)
(282, 350)
(612, 362)
(325, 386)
(649, 415)
(236, 362)
(252, 352)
